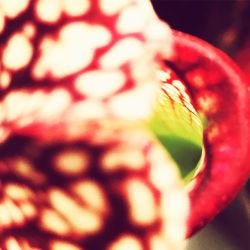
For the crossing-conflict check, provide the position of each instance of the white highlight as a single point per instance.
(76, 7)
(73, 51)
(12, 8)
(122, 52)
(134, 104)
(100, 84)
(111, 7)
(18, 52)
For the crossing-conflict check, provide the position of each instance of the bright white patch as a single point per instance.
(48, 10)
(91, 194)
(12, 8)
(76, 7)
(111, 7)
(2, 21)
(63, 245)
(71, 162)
(15, 212)
(55, 104)
(83, 220)
(52, 221)
(100, 84)
(174, 211)
(132, 19)
(5, 79)
(126, 242)
(73, 51)
(14, 104)
(29, 30)
(134, 104)
(18, 52)
(163, 172)
(87, 110)
(123, 158)
(160, 37)
(142, 207)
(122, 52)
(157, 243)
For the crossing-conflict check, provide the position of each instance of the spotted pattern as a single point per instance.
(51, 197)
(75, 169)
(81, 47)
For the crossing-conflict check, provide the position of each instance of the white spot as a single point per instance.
(73, 51)
(48, 10)
(87, 110)
(100, 84)
(71, 162)
(5, 79)
(122, 52)
(12, 8)
(163, 170)
(29, 30)
(132, 19)
(2, 22)
(14, 104)
(123, 158)
(126, 242)
(18, 52)
(134, 104)
(63, 245)
(142, 207)
(55, 104)
(111, 7)
(76, 7)
(92, 195)
(174, 211)
(159, 37)
(82, 220)
(51, 221)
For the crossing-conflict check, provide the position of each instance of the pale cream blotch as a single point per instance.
(90, 109)
(29, 30)
(72, 51)
(123, 157)
(48, 10)
(125, 242)
(55, 104)
(132, 19)
(83, 221)
(18, 52)
(111, 7)
(13, 8)
(52, 221)
(71, 162)
(122, 52)
(25, 169)
(134, 104)
(92, 194)
(63, 245)
(2, 21)
(5, 79)
(76, 7)
(99, 83)
(161, 176)
(156, 242)
(141, 203)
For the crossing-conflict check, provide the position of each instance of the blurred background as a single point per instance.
(225, 24)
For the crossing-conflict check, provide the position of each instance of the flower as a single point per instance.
(79, 168)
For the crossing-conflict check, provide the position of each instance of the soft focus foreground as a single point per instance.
(78, 171)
